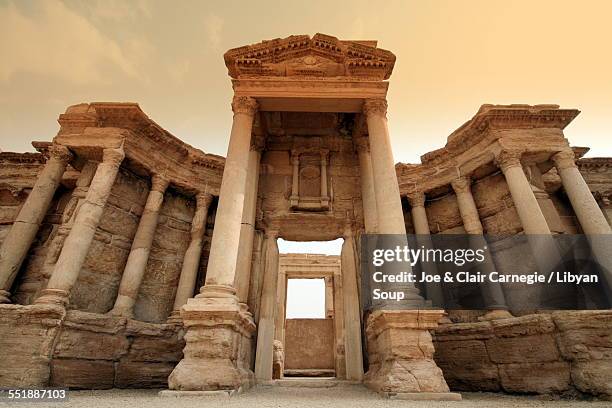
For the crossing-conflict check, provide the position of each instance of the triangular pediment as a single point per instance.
(302, 56)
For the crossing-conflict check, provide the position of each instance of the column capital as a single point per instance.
(60, 152)
(462, 184)
(159, 183)
(295, 157)
(377, 106)
(203, 199)
(416, 199)
(113, 156)
(271, 233)
(244, 104)
(508, 158)
(564, 159)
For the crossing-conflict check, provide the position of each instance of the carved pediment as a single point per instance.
(302, 56)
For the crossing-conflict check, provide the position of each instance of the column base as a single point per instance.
(57, 297)
(218, 346)
(401, 353)
(5, 297)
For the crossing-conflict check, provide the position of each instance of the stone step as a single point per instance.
(313, 382)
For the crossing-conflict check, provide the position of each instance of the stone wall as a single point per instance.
(567, 352)
(309, 344)
(85, 350)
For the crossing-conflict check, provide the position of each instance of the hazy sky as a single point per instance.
(452, 56)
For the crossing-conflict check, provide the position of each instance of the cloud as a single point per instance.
(56, 41)
(213, 25)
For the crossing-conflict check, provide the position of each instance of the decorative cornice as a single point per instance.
(375, 107)
(302, 56)
(244, 104)
(594, 163)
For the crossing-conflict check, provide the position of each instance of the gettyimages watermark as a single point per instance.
(454, 272)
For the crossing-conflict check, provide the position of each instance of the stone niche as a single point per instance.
(311, 180)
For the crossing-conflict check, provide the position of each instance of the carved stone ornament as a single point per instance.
(113, 156)
(302, 56)
(508, 158)
(61, 153)
(375, 107)
(462, 184)
(416, 199)
(564, 159)
(244, 104)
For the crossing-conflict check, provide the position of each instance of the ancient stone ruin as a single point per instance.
(130, 259)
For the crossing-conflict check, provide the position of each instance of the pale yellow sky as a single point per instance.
(452, 56)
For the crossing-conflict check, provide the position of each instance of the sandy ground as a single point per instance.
(268, 397)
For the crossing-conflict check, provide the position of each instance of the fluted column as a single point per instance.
(138, 258)
(368, 196)
(191, 260)
(267, 311)
(421, 229)
(70, 261)
(386, 188)
(17, 242)
(247, 229)
(220, 275)
(492, 293)
(592, 220)
(352, 320)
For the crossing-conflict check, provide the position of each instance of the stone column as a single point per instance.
(324, 194)
(368, 196)
(17, 242)
(267, 312)
(329, 298)
(386, 188)
(138, 258)
(421, 229)
(226, 237)
(191, 260)
(69, 263)
(524, 200)
(592, 220)
(295, 181)
(352, 318)
(492, 293)
(544, 249)
(215, 313)
(247, 229)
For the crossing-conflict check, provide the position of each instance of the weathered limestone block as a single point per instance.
(593, 377)
(90, 345)
(540, 378)
(152, 349)
(527, 349)
(82, 374)
(26, 343)
(139, 374)
(401, 352)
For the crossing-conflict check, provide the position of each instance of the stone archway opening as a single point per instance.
(310, 316)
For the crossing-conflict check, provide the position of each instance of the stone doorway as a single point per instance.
(309, 340)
